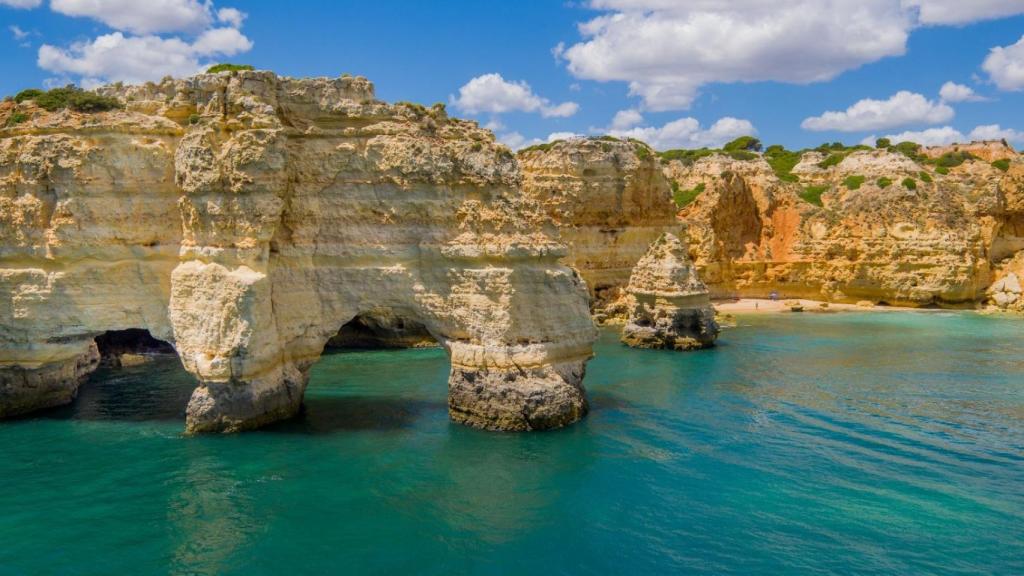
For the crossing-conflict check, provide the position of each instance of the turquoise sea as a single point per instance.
(818, 444)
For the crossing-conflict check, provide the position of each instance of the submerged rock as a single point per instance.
(244, 218)
(668, 304)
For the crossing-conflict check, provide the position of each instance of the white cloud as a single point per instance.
(955, 12)
(135, 59)
(668, 49)
(953, 92)
(901, 109)
(996, 132)
(231, 16)
(23, 4)
(929, 137)
(493, 94)
(625, 119)
(1005, 66)
(149, 17)
(688, 133)
(17, 32)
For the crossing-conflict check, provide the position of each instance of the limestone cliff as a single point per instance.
(668, 305)
(890, 228)
(245, 217)
(610, 201)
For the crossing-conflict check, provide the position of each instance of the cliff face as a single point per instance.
(246, 217)
(610, 202)
(889, 229)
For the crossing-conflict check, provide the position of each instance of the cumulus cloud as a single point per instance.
(929, 137)
(901, 109)
(135, 59)
(149, 17)
(996, 132)
(956, 12)
(140, 48)
(668, 49)
(231, 16)
(490, 93)
(625, 119)
(1005, 66)
(949, 135)
(23, 4)
(953, 92)
(517, 141)
(688, 133)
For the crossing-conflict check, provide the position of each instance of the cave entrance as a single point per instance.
(130, 347)
(382, 370)
(382, 329)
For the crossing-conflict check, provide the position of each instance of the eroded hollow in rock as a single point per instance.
(129, 347)
(382, 330)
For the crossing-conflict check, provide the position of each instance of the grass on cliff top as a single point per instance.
(228, 67)
(910, 183)
(684, 198)
(812, 194)
(853, 182)
(884, 182)
(70, 96)
(1002, 164)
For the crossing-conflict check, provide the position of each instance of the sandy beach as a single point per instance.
(766, 306)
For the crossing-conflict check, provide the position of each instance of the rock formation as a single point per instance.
(891, 229)
(668, 305)
(610, 201)
(244, 218)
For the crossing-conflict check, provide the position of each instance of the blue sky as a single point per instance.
(687, 73)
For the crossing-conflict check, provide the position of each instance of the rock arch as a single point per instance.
(307, 204)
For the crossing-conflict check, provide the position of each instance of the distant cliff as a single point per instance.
(914, 227)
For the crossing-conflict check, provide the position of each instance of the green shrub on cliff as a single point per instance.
(746, 143)
(76, 99)
(15, 119)
(884, 182)
(853, 182)
(942, 170)
(1002, 164)
(782, 162)
(812, 194)
(227, 67)
(683, 198)
(883, 143)
(29, 94)
(925, 177)
(910, 183)
(832, 160)
(687, 157)
(953, 159)
(643, 151)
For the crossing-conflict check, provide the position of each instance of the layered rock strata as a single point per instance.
(244, 218)
(668, 305)
(890, 229)
(610, 201)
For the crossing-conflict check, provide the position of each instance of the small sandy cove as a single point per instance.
(759, 306)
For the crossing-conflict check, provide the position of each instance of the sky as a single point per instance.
(674, 73)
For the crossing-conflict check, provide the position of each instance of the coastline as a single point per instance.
(767, 306)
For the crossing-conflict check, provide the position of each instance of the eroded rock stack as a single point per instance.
(245, 217)
(668, 304)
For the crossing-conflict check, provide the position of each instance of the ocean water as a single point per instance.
(816, 444)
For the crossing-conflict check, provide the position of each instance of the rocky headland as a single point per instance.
(244, 218)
